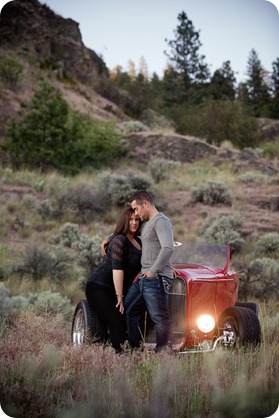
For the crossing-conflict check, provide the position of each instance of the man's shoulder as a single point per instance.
(163, 217)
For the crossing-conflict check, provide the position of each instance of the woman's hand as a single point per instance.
(120, 303)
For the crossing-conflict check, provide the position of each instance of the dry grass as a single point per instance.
(42, 374)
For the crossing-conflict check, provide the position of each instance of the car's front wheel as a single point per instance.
(243, 323)
(86, 326)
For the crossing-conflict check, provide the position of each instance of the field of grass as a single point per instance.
(43, 376)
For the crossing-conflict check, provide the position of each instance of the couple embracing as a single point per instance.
(142, 242)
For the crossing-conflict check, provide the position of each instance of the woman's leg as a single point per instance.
(103, 302)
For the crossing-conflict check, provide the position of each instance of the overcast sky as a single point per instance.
(123, 30)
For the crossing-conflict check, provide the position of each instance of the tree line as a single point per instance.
(187, 87)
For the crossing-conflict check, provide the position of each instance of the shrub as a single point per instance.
(82, 201)
(52, 302)
(139, 182)
(271, 149)
(133, 126)
(225, 230)
(211, 193)
(39, 263)
(29, 202)
(68, 234)
(266, 278)
(118, 189)
(249, 177)
(268, 244)
(46, 209)
(48, 135)
(88, 250)
(10, 70)
(6, 303)
(19, 304)
(159, 169)
(219, 120)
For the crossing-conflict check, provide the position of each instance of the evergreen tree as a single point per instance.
(173, 93)
(222, 84)
(49, 136)
(275, 90)
(258, 91)
(39, 139)
(184, 54)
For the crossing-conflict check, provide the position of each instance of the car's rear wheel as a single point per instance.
(86, 326)
(244, 324)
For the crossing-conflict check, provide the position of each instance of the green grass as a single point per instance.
(41, 371)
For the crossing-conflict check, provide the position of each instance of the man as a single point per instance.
(150, 290)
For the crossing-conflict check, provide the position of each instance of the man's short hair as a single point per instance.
(142, 195)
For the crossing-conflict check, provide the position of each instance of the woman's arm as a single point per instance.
(118, 279)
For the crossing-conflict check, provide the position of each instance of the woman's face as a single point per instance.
(133, 223)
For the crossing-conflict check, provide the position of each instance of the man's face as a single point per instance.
(140, 210)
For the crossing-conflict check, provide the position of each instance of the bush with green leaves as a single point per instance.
(47, 135)
(268, 245)
(82, 201)
(68, 234)
(249, 177)
(219, 120)
(225, 229)
(52, 302)
(88, 249)
(6, 304)
(133, 126)
(212, 193)
(10, 70)
(160, 168)
(46, 209)
(118, 189)
(20, 304)
(264, 282)
(39, 262)
(89, 252)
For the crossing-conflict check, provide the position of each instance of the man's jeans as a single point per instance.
(149, 293)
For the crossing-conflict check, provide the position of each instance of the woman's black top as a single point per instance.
(121, 255)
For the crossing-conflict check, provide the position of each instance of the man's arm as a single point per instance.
(164, 232)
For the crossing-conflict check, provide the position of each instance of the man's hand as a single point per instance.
(103, 245)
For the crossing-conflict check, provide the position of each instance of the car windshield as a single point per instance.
(204, 254)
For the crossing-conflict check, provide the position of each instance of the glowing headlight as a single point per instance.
(206, 323)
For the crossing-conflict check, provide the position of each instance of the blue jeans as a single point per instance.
(149, 293)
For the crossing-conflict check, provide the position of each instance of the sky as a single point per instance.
(123, 30)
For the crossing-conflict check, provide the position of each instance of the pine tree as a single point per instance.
(39, 139)
(275, 89)
(184, 54)
(222, 84)
(258, 91)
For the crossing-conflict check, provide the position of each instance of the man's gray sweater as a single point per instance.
(157, 246)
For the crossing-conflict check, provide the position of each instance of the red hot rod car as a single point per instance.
(203, 304)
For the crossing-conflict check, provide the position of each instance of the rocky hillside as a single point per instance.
(52, 41)
(47, 45)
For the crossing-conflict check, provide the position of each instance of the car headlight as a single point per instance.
(205, 323)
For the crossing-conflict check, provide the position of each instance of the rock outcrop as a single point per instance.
(34, 30)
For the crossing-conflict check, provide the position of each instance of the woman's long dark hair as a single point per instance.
(122, 226)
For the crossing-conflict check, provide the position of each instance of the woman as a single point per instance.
(109, 283)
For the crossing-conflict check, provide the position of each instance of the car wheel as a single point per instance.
(86, 326)
(250, 305)
(243, 322)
